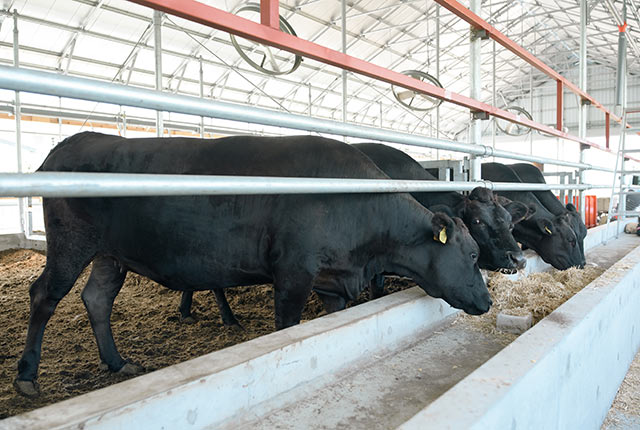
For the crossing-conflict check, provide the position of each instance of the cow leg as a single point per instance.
(376, 287)
(98, 295)
(185, 307)
(291, 294)
(226, 313)
(45, 293)
(331, 302)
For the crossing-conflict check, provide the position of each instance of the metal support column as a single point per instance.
(476, 123)
(157, 46)
(201, 77)
(343, 30)
(494, 98)
(437, 73)
(582, 125)
(16, 63)
(531, 108)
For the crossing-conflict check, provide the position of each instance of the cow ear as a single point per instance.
(571, 208)
(517, 210)
(502, 200)
(545, 226)
(443, 227)
(481, 194)
(531, 210)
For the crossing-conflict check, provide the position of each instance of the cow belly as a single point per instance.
(188, 243)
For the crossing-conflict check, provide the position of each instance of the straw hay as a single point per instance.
(538, 294)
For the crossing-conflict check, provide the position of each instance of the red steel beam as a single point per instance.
(270, 13)
(607, 129)
(230, 23)
(462, 12)
(559, 107)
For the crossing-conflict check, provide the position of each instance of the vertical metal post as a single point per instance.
(531, 108)
(60, 120)
(494, 98)
(476, 124)
(157, 37)
(201, 79)
(622, 57)
(344, 51)
(437, 72)
(311, 101)
(607, 129)
(582, 126)
(16, 63)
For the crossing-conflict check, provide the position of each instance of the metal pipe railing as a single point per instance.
(105, 92)
(80, 184)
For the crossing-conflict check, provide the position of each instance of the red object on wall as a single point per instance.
(591, 210)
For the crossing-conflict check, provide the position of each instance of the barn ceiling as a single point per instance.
(112, 40)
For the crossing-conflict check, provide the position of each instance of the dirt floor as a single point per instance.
(146, 327)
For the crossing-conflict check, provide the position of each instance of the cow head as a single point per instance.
(452, 271)
(490, 222)
(553, 239)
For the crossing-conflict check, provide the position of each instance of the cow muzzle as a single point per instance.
(517, 260)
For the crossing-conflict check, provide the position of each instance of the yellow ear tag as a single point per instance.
(443, 235)
(547, 230)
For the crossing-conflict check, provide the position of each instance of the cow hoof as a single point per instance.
(188, 320)
(131, 369)
(27, 388)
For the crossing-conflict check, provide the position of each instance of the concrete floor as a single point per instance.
(384, 391)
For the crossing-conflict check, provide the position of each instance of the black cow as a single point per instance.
(551, 236)
(530, 173)
(489, 223)
(332, 243)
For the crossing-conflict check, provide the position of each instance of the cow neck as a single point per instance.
(412, 227)
(450, 199)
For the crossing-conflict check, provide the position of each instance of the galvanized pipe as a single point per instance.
(582, 108)
(18, 118)
(157, 52)
(79, 184)
(475, 89)
(105, 92)
(622, 57)
(201, 85)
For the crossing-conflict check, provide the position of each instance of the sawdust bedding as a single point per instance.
(146, 327)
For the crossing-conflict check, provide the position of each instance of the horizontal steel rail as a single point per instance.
(80, 184)
(34, 81)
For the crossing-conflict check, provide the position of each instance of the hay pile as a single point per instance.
(538, 294)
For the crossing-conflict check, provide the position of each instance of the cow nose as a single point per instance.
(518, 260)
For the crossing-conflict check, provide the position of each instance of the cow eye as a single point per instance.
(572, 242)
(476, 221)
(474, 256)
(511, 227)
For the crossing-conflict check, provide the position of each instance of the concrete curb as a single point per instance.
(562, 373)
